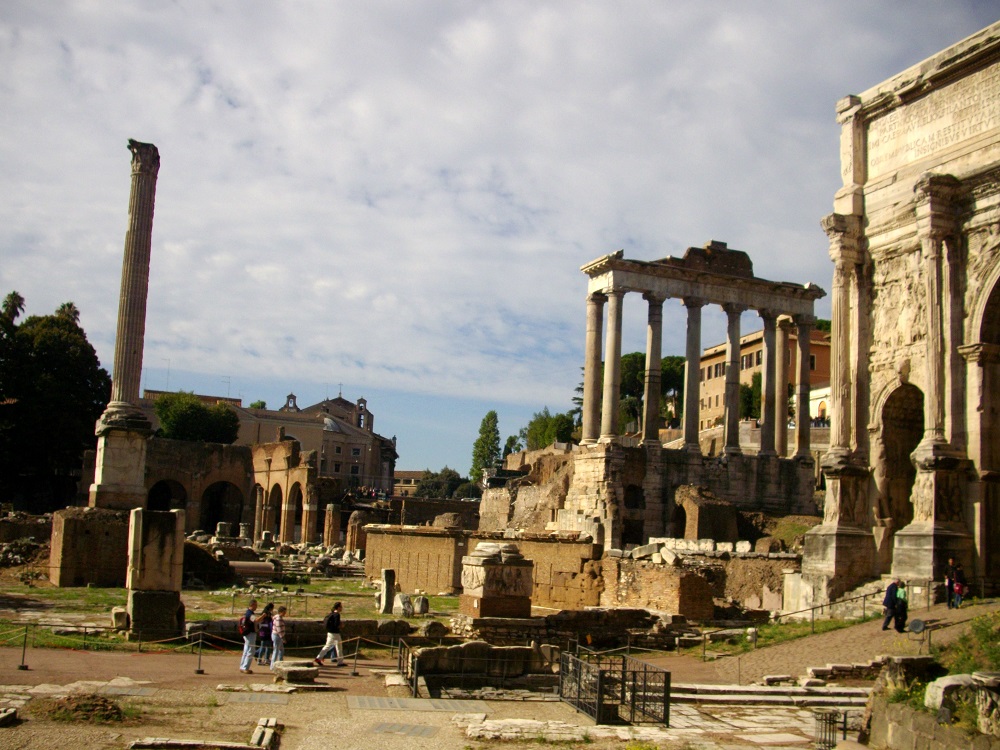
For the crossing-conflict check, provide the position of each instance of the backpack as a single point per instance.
(244, 626)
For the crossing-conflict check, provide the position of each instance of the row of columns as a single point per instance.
(774, 431)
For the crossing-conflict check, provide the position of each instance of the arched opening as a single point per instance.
(295, 512)
(272, 514)
(167, 494)
(821, 410)
(221, 502)
(679, 521)
(989, 445)
(902, 428)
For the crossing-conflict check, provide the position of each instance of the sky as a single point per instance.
(392, 200)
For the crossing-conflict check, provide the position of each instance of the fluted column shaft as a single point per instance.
(768, 386)
(612, 368)
(651, 394)
(803, 419)
(733, 313)
(135, 275)
(692, 374)
(591, 369)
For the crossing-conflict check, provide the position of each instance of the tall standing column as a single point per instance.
(767, 386)
(612, 368)
(781, 386)
(733, 313)
(135, 275)
(654, 373)
(692, 374)
(803, 419)
(938, 529)
(122, 430)
(591, 369)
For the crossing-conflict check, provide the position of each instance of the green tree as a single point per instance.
(486, 449)
(546, 428)
(440, 484)
(468, 490)
(258, 405)
(52, 391)
(513, 445)
(183, 416)
(750, 398)
(672, 386)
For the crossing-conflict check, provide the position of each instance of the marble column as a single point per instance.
(591, 369)
(733, 313)
(781, 386)
(258, 512)
(803, 419)
(938, 529)
(692, 374)
(767, 386)
(612, 368)
(122, 430)
(654, 374)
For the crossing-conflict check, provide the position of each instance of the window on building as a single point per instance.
(355, 451)
(716, 399)
(337, 449)
(336, 468)
(355, 470)
(760, 356)
(812, 361)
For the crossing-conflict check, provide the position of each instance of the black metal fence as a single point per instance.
(615, 689)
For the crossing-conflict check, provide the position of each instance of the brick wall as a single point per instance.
(89, 545)
(637, 583)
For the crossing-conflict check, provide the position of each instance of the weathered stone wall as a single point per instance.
(896, 726)
(529, 503)
(638, 583)
(23, 526)
(430, 559)
(594, 627)
(89, 545)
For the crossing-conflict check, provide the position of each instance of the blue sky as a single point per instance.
(397, 196)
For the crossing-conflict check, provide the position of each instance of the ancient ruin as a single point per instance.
(912, 469)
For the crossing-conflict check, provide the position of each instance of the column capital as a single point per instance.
(693, 302)
(597, 297)
(804, 321)
(934, 199)
(145, 157)
(731, 308)
(785, 322)
(654, 298)
(768, 316)
(844, 233)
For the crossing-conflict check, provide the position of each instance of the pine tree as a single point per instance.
(486, 449)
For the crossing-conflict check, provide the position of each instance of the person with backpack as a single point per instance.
(278, 635)
(246, 627)
(332, 624)
(264, 634)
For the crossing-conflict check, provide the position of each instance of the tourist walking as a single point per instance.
(901, 608)
(278, 635)
(889, 603)
(247, 628)
(949, 582)
(959, 585)
(333, 642)
(264, 634)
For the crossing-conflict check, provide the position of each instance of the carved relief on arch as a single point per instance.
(898, 301)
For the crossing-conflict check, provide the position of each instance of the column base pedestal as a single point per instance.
(921, 551)
(835, 559)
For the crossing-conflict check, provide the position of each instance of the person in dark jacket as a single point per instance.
(900, 612)
(889, 602)
(333, 641)
(949, 581)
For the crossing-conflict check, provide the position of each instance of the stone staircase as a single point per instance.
(827, 696)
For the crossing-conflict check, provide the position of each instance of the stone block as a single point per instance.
(742, 547)
(724, 547)
(402, 606)
(421, 605)
(393, 628)
(614, 553)
(8, 717)
(706, 545)
(119, 618)
(669, 557)
(942, 691)
(645, 551)
(434, 629)
(656, 558)
(670, 543)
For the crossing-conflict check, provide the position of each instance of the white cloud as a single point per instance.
(399, 196)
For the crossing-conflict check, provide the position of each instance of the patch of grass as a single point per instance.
(966, 716)
(771, 634)
(912, 695)
(977, 649)
(640, 745)
(91, 708)
(789, 529)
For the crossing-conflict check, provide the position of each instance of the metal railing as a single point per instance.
(615, 689)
